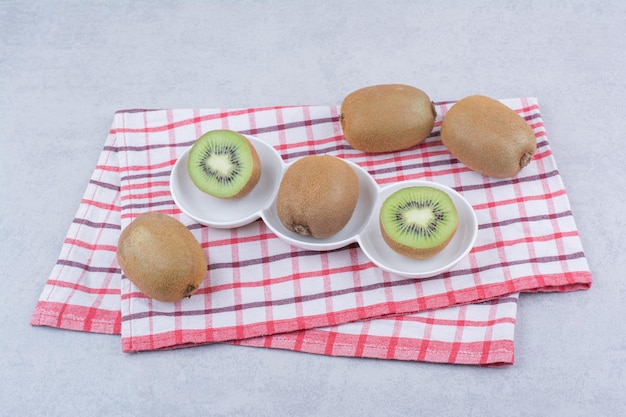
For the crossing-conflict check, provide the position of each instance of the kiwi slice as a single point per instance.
(224, 164)
(419, 221)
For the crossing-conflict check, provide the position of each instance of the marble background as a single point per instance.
(67, 66)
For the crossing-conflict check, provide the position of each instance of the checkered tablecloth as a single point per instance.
(260, 291)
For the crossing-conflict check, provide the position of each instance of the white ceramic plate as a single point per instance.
(221, 213)
(372, 243)
(363, 227)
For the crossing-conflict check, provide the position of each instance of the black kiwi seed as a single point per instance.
(231, 153)
(424, 230)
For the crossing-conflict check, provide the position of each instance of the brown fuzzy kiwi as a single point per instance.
(488, 137)
(317, 196)
(386, 117)
(161, 257)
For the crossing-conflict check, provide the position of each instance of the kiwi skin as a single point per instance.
(488, 137)
(317, 196)
(161, 257)
(254, 177)
(386, 117)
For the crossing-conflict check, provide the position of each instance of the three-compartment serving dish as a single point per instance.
(362, 228)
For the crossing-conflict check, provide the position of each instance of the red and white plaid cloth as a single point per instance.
(263, 292)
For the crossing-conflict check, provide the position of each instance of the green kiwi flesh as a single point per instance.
(418, 221)
(224, 164)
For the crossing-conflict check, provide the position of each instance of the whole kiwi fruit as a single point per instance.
(224, 164)
(418, 221)
(317, 196)
(161, 257)
(386, 117)
(488, 137)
